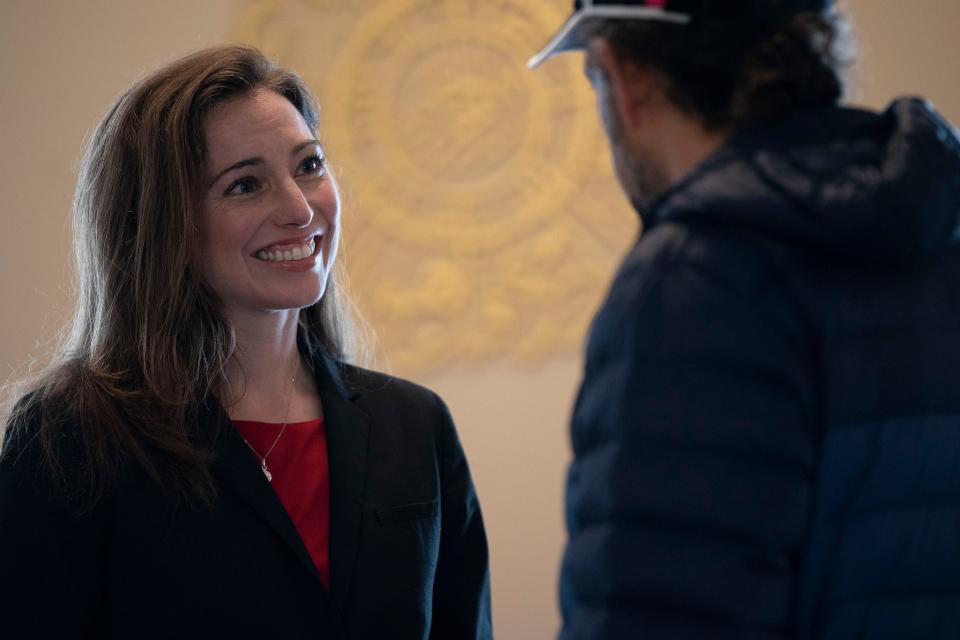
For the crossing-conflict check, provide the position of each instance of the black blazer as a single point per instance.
(408, 552)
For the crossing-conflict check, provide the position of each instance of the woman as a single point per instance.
(200, 460)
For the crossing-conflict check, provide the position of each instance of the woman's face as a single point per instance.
(271, 213)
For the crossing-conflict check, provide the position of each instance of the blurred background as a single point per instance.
(481, 221)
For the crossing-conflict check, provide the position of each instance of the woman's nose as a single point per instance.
(293, 209)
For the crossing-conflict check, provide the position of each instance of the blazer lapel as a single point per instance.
(348, 431)
(236, 465)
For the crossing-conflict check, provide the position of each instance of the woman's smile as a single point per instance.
(300, 256)
(286, 250)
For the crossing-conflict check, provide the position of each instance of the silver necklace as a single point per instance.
(286, 414)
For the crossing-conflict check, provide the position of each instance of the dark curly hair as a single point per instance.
(737, 73)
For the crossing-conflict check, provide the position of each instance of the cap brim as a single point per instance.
(574, 32)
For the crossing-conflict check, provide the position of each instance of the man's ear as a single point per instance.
(630, 85)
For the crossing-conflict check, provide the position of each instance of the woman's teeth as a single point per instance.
(294, 253)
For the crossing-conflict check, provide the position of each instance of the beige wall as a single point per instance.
(907, 48)
(63, 62)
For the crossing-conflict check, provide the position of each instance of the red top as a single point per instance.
(301, 479)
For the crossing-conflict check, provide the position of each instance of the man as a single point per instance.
(767, 437)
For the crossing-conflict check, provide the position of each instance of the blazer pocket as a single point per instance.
(413, 511)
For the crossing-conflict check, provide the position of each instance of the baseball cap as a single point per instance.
(573, 34)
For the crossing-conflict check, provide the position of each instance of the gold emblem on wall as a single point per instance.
(481, 219)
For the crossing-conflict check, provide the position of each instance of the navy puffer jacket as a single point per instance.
(767, 438)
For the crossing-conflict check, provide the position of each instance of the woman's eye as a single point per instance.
(312, 165)
(242, 186)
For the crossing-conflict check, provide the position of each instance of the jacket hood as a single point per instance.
(883, 188)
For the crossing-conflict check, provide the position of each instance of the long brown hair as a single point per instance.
(147, 342)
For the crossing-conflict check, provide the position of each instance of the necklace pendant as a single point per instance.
(266, 472)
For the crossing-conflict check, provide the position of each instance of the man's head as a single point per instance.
(675, 77)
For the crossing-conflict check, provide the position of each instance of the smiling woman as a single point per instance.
(201, 459)
(272, 208)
